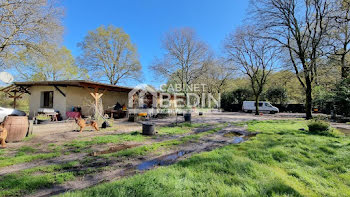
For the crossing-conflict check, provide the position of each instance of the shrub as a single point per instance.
(233, 100)
(319, 127)
(277, 95)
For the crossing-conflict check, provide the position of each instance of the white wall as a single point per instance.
(59, 101)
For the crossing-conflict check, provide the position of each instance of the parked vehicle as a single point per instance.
(249, 106)
(4, 112)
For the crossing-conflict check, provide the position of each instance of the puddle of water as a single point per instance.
(237, 140)
(344, 130)
(240, 139)
(162, 161)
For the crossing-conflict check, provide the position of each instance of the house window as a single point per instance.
(47, 99)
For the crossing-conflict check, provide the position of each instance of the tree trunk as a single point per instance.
(256, 105)
(308, 102)
(345, 69)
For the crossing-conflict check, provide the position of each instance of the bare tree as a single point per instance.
(255, 57)
(218, 72)
(25, 23)
(300, 27)
(108, 53)
(215, 79)
(343, 5)
(185, 58)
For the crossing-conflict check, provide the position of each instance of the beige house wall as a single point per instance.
(59, 101)
(80, 97)
(110, 98)
(75, 97)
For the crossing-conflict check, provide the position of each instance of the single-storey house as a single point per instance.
(64, 96)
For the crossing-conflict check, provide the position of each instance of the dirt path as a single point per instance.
(136, 165)
(60, 133)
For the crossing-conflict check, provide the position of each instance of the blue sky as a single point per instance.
(146, 21)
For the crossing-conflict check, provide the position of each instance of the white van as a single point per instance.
(249, 106)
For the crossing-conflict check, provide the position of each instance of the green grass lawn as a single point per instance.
(78, 145)
(22, 158)
(280, 161)
(181, 128)
(29, 180)
(17, 184)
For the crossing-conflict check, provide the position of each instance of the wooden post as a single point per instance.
(14, 100)
(15, 97)
(96, 95)
(12, 90)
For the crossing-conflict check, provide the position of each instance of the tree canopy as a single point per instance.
(185, 59)
(254, 56)
(109, 55)
(56, 63)
(24, 24)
